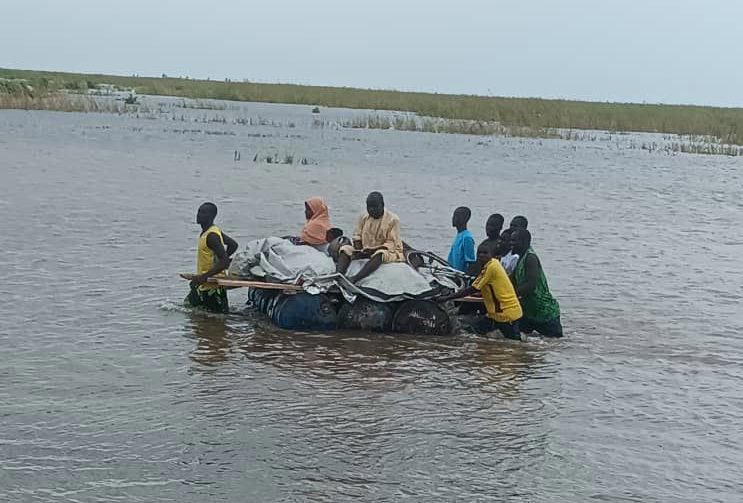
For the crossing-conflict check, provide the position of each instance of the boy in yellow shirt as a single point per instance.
(211, 259)
(498, 295)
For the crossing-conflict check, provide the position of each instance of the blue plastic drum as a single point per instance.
(303, 311)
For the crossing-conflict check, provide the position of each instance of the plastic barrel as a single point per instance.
(303, 311)
(422, 317)
(251, 296)
(264, 298)
(365, 314)
(259, 299)
(271, 305)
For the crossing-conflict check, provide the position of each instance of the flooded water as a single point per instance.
(111, 391)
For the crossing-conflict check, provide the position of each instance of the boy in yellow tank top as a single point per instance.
(498, 295)
(211, 260)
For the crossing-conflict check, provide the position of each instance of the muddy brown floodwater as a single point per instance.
(111, 391)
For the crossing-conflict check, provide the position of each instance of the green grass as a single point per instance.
(531, 114)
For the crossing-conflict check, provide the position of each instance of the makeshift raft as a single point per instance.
(297, 286)
(290, 307)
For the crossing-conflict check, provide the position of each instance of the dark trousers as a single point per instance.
(552, 328)
(214, 300)
(482, 325)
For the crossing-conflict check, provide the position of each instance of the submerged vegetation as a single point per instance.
(712, 130)
(671, 144)
(439, 125)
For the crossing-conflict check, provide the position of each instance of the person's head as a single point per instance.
(520, 241)
(503, 243)
(494, 225)
(314, 206)
(519, 222)
(206, 214)
(460, 217)
(484, 253)
(333, 233)
(375, 204)
(334, 248)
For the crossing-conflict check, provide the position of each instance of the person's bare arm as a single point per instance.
(531, 272)
(464, 292)
(231, 244)
(483, 279)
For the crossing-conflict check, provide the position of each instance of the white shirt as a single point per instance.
(509, 262)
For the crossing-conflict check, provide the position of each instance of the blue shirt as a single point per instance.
(462, 251)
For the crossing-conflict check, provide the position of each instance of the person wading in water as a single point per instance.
(519, 222)
(541, 310)
(502, 250)
(510, 258)
(498, 296)
(462, 252)
(493, 226)
(211, 259)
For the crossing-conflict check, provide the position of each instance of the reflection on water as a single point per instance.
(107, 396)
(362, 358)
(210, 332)
(375, 409)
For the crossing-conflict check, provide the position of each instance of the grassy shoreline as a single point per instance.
(724, 124)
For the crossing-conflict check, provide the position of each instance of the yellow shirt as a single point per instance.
(385, 232)
(205, 257)
(497, 293)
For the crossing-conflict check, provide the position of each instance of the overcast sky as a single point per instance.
(670, 51)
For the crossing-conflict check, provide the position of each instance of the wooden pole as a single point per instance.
(231, 282)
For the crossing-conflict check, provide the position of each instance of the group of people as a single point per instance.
(508, 275)
(507, 271)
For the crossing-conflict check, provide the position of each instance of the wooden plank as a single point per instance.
(257, 284)
(231, 282)
(469, 299)
(242, 283)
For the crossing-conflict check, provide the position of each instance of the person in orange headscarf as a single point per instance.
(315, 230)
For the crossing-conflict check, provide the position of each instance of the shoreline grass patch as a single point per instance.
(725, 124)
(685, 128)
(59, 102)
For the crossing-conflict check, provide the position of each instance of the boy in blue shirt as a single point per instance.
(462, 253)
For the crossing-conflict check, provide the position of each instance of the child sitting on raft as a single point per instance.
(317, 231)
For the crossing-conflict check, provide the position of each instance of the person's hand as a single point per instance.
(357, 244)
(198, 279)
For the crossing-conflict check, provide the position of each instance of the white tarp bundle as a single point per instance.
(278, 260)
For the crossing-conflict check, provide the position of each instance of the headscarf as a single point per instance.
(317, 226)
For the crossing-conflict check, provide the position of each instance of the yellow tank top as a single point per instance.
(498, 294)
(205, 257)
